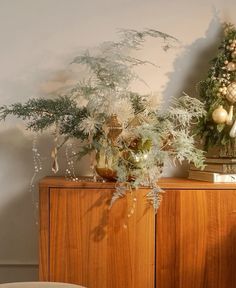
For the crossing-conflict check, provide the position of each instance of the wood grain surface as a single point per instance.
(100, 248)
(190, 243)
(165, 183)
(196, 239)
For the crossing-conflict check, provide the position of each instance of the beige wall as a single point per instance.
(38, 40)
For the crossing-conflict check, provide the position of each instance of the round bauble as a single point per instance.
(233, 55)
(219, 115)
(231, 66)
(231, 92)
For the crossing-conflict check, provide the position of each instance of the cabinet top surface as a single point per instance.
(165, 183)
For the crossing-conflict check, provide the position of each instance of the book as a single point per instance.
(217, 167)
(212, 177)
(221, 160)
(228, 151)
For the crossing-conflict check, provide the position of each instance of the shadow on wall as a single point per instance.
(18, 241)
(189, 69)
(18, 209)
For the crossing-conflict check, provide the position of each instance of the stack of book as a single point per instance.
(216, 170)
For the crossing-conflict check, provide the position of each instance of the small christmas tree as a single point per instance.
(218, 91)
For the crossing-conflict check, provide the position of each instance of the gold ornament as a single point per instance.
(229, 120)
(231, 92)
(231, 66)
(137, 121)
(219, 115)
(115, 128)
(233, 55)
(223, 90)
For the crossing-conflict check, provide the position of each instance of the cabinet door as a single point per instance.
(97, 247)
(196, 239)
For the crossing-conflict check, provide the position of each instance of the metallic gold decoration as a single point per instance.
(137, 121)
(229, 120)
(115, 128)
(233, 55)
(231, 92)
(219, 115)
(231, 66)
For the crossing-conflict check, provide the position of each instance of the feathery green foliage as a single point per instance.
(146, 137)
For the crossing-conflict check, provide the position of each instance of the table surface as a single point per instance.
(165, 183)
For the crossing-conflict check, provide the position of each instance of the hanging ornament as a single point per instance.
(232, 132)
(136, 121)
(55, 166)
(114, 128)
(134, 141)
(233, 55)
(229, 120)
(231, 92)
(219, 115)
(223, 90)
(231, 66)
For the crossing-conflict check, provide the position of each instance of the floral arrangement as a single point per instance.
(218, 92)
(128, 135)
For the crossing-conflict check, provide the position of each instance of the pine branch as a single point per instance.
(42, 113)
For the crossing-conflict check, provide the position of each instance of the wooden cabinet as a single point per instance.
(196, 236)
(190, 243)
(83, 241)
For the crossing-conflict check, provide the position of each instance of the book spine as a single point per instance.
(227, 168)
(217, 168)
(201, 176)
(212, 177)
(220, 161)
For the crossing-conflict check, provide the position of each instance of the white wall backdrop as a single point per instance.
(38, 39)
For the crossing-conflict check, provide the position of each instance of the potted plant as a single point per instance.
(128, 136)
